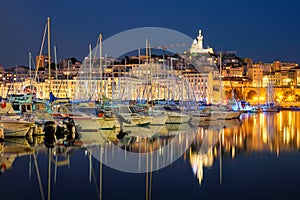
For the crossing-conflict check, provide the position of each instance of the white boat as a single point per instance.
(128, 116)
(200, 116)
(270, 109)
(158, 118)
(86, 121)
(175, 116)
(221, 112)
(82, 116)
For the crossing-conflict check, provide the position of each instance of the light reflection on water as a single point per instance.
(259, 151)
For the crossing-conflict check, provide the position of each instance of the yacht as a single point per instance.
(84, 116)
(221, 112)
(129, 116)
(175, 116)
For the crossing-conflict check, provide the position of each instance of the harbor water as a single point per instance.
(254, 157)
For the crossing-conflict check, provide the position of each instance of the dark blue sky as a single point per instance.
(264, 30)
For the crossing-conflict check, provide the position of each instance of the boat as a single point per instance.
(270, 109)
(14, 125)
(175, 116)
(110, 120)
(221, 112)
(256, 109)
(22, 104)
(199, 116)
(84, 116)
(158, 118)
(129, 116)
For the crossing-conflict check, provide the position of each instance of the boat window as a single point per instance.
(16, 107)
(23, 108)
(167, 108)
(132, 109)
(28, 107)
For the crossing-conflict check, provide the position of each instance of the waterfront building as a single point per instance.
(273, 78)
(276, 66)
(297, 77)
(288, 66)
(265, 67)
(194, 75)
(285, 80)
(256, 75)
(41, 61)
(233, 72)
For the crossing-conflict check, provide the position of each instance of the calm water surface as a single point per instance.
(256, 157)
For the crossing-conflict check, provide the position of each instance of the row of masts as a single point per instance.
(89, 84)
(47, 29)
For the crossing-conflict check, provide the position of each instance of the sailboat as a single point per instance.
(270, 105)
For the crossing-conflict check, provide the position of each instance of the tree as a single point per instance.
(238, 94)
(251, 94)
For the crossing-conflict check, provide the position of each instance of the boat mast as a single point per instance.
(90, 74)
(30, 73)
(49, 54)
(147, 76)
(221, 86)
(104, 76)
(146, 51)
(101, 71)
(55, 60)
(68, 74)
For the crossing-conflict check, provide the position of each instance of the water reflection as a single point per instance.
(53, 169)
(10, 150)
(264, 132)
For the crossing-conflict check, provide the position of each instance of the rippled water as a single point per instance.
(256, 157)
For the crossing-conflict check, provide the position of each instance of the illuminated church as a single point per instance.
(197, 46)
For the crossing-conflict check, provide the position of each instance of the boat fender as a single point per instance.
(50, 134)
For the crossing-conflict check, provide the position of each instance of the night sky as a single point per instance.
(264, 30)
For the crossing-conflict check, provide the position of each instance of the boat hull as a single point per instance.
(158, 119)
(16, 129)
(177, 118)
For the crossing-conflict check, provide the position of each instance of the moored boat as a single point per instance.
(14, 125)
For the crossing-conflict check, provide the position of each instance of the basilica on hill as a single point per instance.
(197, 46)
